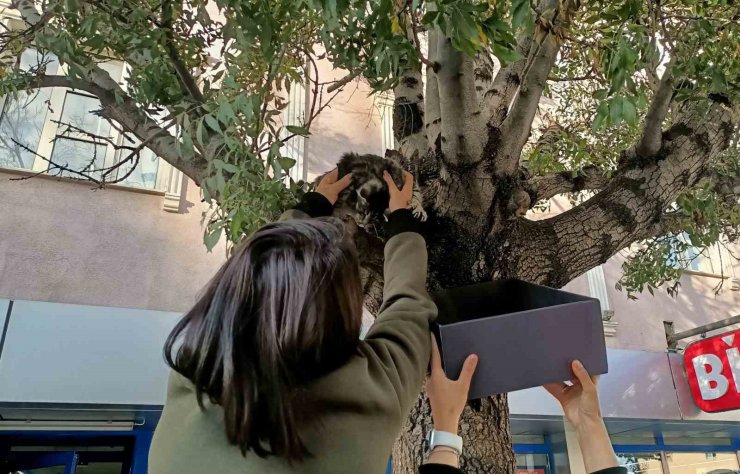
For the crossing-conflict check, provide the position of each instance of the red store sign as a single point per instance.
(713, 368)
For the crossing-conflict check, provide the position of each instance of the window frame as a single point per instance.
(168, 180)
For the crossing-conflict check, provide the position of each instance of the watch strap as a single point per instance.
(444, 438)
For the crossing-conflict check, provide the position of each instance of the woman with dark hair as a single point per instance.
(269, 373)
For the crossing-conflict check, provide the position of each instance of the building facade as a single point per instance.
(91, 281)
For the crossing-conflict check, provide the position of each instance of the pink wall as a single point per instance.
(641, 321)
(64, 242)
(350, 123)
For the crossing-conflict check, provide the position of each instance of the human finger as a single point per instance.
(389, 181)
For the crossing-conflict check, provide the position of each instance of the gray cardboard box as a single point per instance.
(525, 335)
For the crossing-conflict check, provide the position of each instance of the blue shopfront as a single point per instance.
(81, 390)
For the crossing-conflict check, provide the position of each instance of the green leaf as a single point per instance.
(615, 110)
(298, 130)
(199, 137)
(230, 167)
(286, 163)
(601, 113)
(629, 112)
(520, 13)
(226, 114)
(187, 143)
(430, 17)
(506, 55)
(220, 182)
(719, 83)
(211, 238)
(600, 94)
(213, 123)
(275, 149)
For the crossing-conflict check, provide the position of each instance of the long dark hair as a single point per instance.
(284, 309)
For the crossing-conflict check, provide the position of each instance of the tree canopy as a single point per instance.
(206, 83)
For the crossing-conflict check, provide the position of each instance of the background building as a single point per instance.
(91, 281)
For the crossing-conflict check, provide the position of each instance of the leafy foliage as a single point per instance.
(216, 74)
(706, 219)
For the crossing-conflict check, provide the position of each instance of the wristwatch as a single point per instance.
(443, 438)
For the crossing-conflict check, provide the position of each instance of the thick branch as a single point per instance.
(408, 106)
(548, 186)
(506, 83)
(631, 207)
(433, 115)
(461, 126)
(546, 43)
(651, 135)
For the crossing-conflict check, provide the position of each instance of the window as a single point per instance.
(60, 125)
(295, 114)
(702, 463)
(73, 148)
(532, 464)
(22, 118)
(643, 463)
(714, 260)
(144, 174)
(385, 107)
(597, 289)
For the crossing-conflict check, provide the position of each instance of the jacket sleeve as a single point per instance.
(438, 469)
(612, 470)
(311, 205)
(399, 343)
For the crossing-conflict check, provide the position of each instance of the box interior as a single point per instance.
(497, 298)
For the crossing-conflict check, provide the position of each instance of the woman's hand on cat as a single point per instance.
(330, 187)
(400, 198)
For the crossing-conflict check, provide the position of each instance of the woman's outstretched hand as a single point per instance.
(330, 186)
(580, 402)
(400, 198)
(448, 397)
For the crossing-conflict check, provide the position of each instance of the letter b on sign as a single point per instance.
(713, 369)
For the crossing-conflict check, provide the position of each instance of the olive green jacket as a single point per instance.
(362, 404)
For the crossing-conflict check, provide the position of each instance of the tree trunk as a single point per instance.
(484, 429)
(474, 236)
(460, 206)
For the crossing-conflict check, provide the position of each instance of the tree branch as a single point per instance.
(506, 83)
(408, 106)
(650, 141)
(462, 128)
(548, 186)
(342, 82)
(119, 107)
(432, 115)
(185, 78)
(633, 205)
(546, 43)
